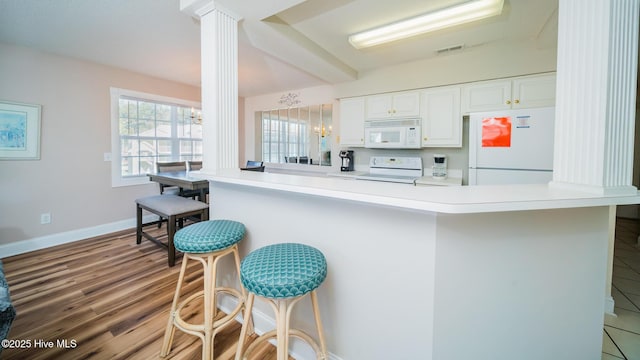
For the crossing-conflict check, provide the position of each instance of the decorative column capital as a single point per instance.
(200, 8)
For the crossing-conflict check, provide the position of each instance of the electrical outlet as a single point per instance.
(45, 218)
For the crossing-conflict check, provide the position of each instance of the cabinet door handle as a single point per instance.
(517, 101)
(508, 102)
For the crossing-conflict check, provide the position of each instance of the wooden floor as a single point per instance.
(109, 297)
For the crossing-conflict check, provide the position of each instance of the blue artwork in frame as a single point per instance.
(13, 130)
(19, 131)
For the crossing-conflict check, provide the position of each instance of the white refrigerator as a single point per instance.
(511, 146)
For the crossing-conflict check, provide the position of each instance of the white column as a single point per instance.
(219, 71)
(595, 102)
(596, 90)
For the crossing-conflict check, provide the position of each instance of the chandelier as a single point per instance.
(196, 119)
(322, 131)
(289, 99)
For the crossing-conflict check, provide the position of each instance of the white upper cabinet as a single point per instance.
(486, 95)
(396, 105)
(515, 93)
(534, 91)
(352, 122)
(441, 117)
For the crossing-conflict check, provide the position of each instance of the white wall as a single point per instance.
(485, 62)
(520, 284)
(71, 180)
(489, 61)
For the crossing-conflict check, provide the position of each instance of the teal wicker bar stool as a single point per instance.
(206, 242)
(282, 274)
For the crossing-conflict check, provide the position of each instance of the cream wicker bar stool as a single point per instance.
(283, 274)
(206, 242)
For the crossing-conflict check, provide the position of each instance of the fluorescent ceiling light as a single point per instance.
(451, 16)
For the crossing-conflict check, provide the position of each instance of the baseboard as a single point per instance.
(609, 306)
(262, 323)
(43, 242)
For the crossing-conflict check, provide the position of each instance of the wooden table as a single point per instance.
(184, 181)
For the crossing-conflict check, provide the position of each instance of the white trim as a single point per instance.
(43, 242)
(116, 93)
(153, 97)
(201, 8)
(609, 305)
(595, 189)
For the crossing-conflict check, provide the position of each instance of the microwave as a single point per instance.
(392, 134)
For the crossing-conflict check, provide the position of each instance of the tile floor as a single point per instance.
(621, 337)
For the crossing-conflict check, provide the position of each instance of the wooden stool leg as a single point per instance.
(171, 231)
(207, 346)
(316, 314)
(245, 324)
(138, 224)
(170, 331)
(236, 257)
(282, 332)
(214, 294)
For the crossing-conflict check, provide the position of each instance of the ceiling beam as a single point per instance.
(278, 39)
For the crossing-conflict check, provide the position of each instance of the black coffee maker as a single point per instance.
(346, 158)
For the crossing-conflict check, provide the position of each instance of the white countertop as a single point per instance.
(431, 181)
(347, 174)
(442, 199)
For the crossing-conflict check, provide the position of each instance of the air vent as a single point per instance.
(450, 49)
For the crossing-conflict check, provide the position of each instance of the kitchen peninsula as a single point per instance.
(437, 272)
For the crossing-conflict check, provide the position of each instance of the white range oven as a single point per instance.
(397, 169)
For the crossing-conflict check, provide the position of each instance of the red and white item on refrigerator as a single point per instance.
(511, 146)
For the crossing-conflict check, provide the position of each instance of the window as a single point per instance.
(148, 128)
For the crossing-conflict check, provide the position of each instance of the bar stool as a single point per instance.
(206, 242)
(283, 274)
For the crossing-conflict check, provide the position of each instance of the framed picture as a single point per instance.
(19, 131)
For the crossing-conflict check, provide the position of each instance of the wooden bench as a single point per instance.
(173, 208)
